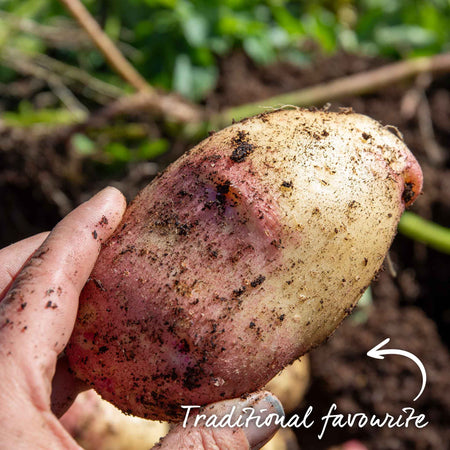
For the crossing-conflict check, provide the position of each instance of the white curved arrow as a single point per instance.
(379, 354)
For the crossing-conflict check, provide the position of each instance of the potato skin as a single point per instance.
(244, 254)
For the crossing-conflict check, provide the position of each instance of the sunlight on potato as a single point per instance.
(244, 254)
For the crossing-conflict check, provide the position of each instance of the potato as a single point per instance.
(283, 439)
(290, 385)
(244, 254)
(97, 425)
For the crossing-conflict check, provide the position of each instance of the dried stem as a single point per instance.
(112, 54)
(434, 151)
(169, 106)
(52, 80)
(46, 68)
(415, 104)
(69, 36)
(195, 118)
(361, 83)
(66, 34)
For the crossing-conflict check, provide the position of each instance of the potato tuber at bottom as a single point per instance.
(97, 425)
(244, 254)
(291, 384)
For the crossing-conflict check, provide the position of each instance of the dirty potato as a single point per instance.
(245, 253)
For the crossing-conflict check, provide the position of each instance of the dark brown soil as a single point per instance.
(41, 180)
(242, 81)
(343, 374)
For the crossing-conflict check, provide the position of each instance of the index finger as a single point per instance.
(13, 258)
(39, 311)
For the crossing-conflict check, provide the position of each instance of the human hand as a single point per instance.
(40, 282)
(254, 410)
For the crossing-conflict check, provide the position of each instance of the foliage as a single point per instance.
(175, 43)
(120, 145)
(402, 28)
(27, 116)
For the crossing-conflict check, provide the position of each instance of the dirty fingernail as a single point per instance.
(262, 420)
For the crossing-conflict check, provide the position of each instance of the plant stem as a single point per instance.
(113, 55)
(360, 83)
(45, 68)
(429, 233)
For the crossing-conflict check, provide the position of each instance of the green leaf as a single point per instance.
(152, 149)
(183, 76)
(203, 81)
(117, 152)
(259, 49)
(112, 27)
(83, 145)
(362, 311)
(404, 36)
(196, 30)
(27, 116)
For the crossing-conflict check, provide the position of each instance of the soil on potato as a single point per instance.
(41, 179)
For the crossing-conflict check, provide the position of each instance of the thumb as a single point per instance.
(244, 423)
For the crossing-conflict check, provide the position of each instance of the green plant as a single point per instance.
(425, 231)
(175, 43)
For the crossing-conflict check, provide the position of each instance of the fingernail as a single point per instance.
(110, 196)
(263, 421)
(105, 191)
